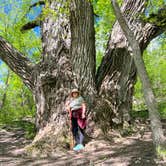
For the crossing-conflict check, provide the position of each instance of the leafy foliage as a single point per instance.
(19, 101)
(10, 24)
(103, 24)
(155, 61)
(153, 6)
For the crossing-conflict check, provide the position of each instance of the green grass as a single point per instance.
(28, 127)
(162, 109)
(143, 112)
(14, 119)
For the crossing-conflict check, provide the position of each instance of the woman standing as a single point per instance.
(76, 105)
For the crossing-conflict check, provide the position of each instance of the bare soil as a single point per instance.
(135, 150)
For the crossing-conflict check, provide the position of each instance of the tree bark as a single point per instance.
(116, 75)
(157, 132)
(20, 64)
(53, 75)
(83, 55)
(51, 80)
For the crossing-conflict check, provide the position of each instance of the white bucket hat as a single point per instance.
(75, 90)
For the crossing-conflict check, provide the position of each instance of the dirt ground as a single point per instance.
(135, 150)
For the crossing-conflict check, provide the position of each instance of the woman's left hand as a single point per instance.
(83, 110)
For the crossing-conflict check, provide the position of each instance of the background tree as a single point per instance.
(5, 91)
(68, 60)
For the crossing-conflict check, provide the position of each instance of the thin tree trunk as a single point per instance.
(157, 132)
(2, 102)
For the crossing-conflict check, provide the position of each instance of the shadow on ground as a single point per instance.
(128, 151)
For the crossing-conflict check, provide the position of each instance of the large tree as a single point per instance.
(68, 60)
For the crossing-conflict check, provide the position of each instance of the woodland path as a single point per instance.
(128, 151)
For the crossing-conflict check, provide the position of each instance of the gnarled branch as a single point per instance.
(36, 22)
(20, 64)
(30, 25)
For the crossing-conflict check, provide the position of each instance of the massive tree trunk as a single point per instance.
(63, 68)
(53, 78)
(68, 60)
(116, 75)
(53, 75)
